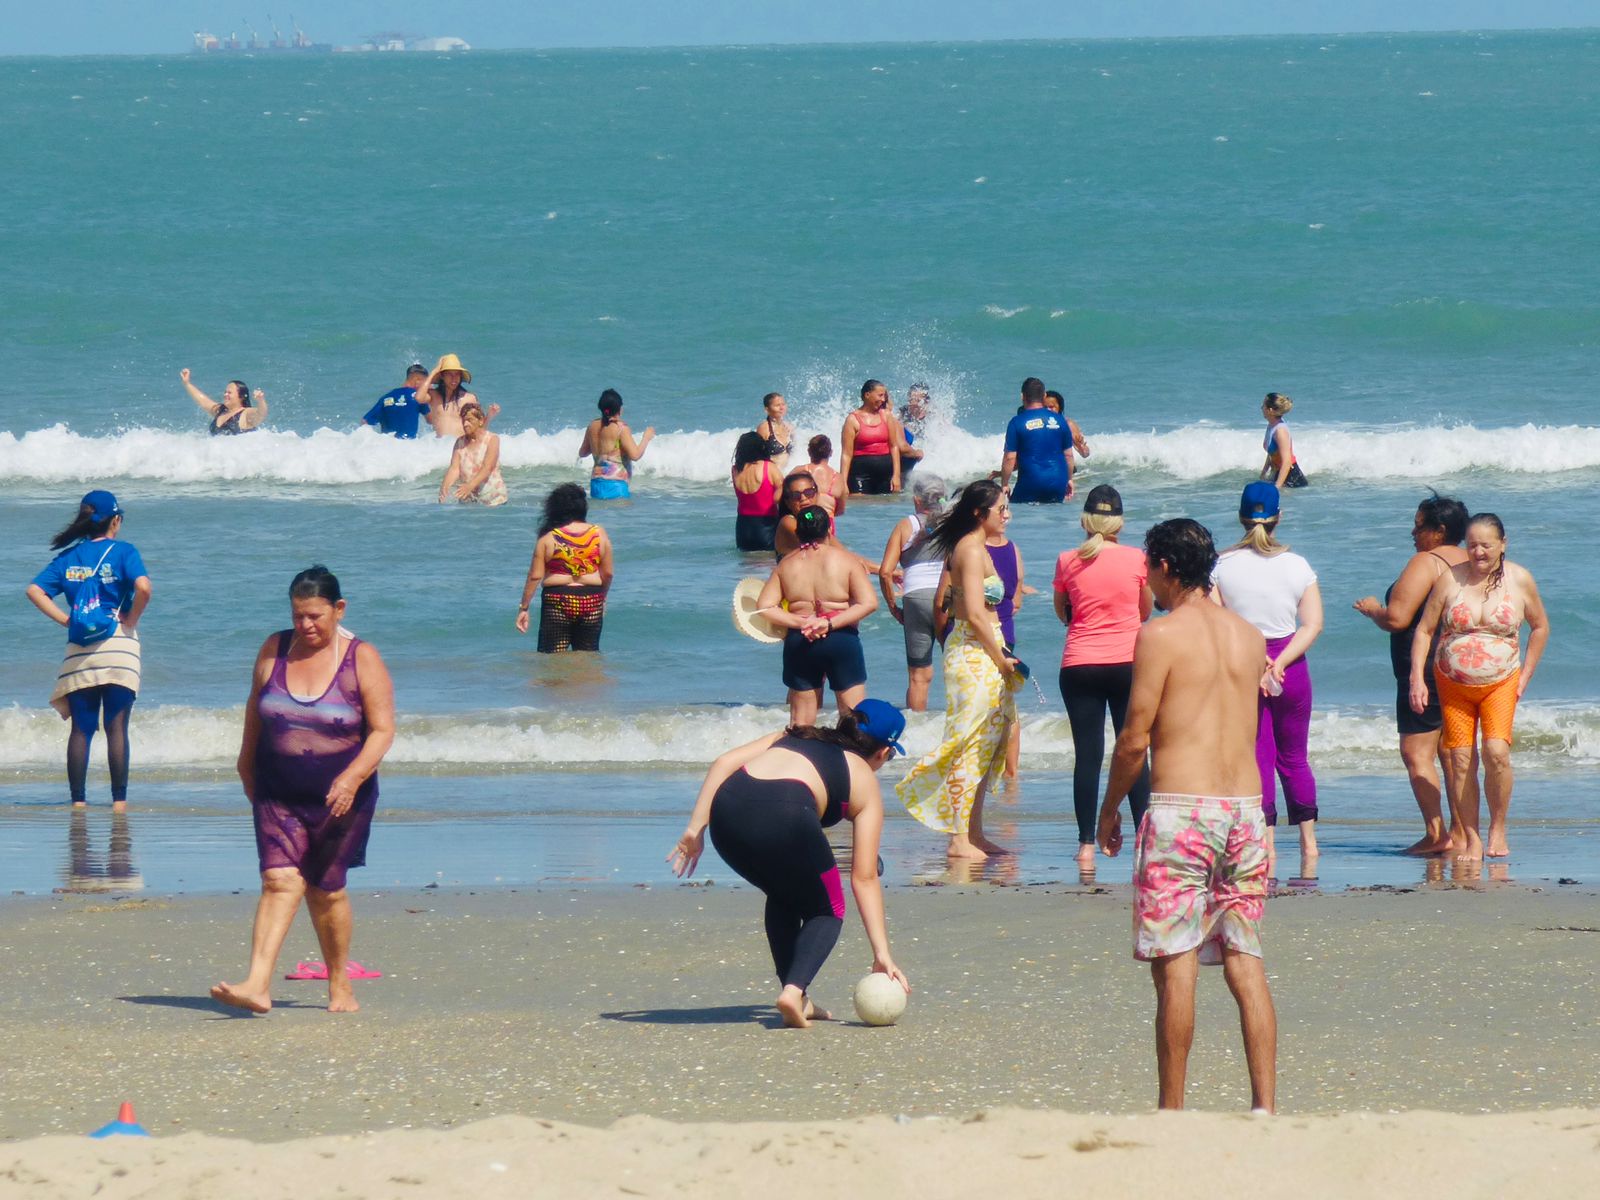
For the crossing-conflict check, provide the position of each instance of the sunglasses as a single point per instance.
(802, 493)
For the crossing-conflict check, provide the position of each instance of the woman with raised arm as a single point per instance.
(237, 412)
(945, 790)
(609, 440)
(1479, 608)
(767, 804)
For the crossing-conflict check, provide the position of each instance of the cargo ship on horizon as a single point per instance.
(297, 42)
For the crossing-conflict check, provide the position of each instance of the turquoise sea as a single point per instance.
(1397, 231)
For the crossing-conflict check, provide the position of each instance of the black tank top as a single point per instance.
(830, 763)
(1400, 640)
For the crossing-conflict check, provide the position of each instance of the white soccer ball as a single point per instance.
(879, 999)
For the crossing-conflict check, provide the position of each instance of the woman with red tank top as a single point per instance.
(870, 444)
(755, 492)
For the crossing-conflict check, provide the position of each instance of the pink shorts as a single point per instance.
(1199, 877)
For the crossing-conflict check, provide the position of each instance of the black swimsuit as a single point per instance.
(229, 427)
(769, 832)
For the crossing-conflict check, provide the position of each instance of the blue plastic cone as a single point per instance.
(124, 1124)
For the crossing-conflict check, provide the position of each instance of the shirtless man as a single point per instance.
(820, 593)
(1200, 869)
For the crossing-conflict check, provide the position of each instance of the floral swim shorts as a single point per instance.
(1199, 876)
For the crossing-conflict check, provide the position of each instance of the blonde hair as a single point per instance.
(1278, 404)
(1099, 527)
(1258, 536)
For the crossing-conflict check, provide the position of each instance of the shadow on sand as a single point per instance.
(727, 1014)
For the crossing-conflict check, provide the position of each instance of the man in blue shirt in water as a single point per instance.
(397, 412)
(1039, 449)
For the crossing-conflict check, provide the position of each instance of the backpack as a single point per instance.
(90, 621)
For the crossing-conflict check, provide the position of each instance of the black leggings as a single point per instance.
(570, 618)
(86, 705)
(769, 832)
(1088, 691)
(871, 474)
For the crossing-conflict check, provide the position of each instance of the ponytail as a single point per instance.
(847, 735)
(1099, 527)
(83, 527)
(1258, 536)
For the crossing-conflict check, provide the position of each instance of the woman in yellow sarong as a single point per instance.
(945, 789)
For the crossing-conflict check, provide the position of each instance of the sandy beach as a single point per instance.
(593, 1005)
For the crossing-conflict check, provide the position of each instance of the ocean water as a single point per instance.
(1393, 230)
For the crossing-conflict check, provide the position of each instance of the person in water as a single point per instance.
(572, 559)
(1276, 590)
(775, 430)
(945, 789)
(756, 481)
(1200, 865)
(1478, 609)
(107, 589)
(238, 411)
(319, 720)
(1038, 450)
(1281, 469)
(913, 426)
(767, 804)
(1057, 403)
(397, 411)
(819, 593)
(474, 470)
(609, 440)
(869, 445)
(831, 492)
(911, 561)
(1438, 528)
(444, 392)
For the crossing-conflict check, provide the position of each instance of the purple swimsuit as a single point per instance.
(303, 747)
(1004, 559)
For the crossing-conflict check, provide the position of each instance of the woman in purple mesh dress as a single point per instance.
(319, 720)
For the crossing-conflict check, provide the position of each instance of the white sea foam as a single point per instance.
(335, 457)
(181, 739)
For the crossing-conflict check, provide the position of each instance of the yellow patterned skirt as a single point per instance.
(940, 788)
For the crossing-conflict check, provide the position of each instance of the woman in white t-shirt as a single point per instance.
(1276, 591)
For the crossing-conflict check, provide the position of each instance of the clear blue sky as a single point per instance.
(161, 26)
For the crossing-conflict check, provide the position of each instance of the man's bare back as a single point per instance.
(1199, 670)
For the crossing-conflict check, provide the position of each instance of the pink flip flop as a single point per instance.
(317, 970)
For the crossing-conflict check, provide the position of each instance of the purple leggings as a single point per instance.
(1282, 729)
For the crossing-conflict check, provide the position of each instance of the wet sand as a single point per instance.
(591, 1005)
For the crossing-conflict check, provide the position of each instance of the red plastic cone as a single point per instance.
(125, 1113)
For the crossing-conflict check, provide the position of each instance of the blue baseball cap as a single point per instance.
(1259, 502)
(102, 504)
(881, 720)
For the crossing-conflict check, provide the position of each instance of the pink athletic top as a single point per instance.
(872, 439)
(1104, 593)
(763, 502)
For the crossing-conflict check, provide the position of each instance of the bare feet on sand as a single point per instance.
(1472, 848)
(988, 847)
(1498, 846)
(341, 996)
(234, 995)
(792, 1005)
(1086, 853)
(816, 1014)
(962, 847)
(1430, 845)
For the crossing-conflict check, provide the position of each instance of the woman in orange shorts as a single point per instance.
(1479, 608)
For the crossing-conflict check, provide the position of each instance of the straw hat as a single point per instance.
(747, 619)
(451, 363)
